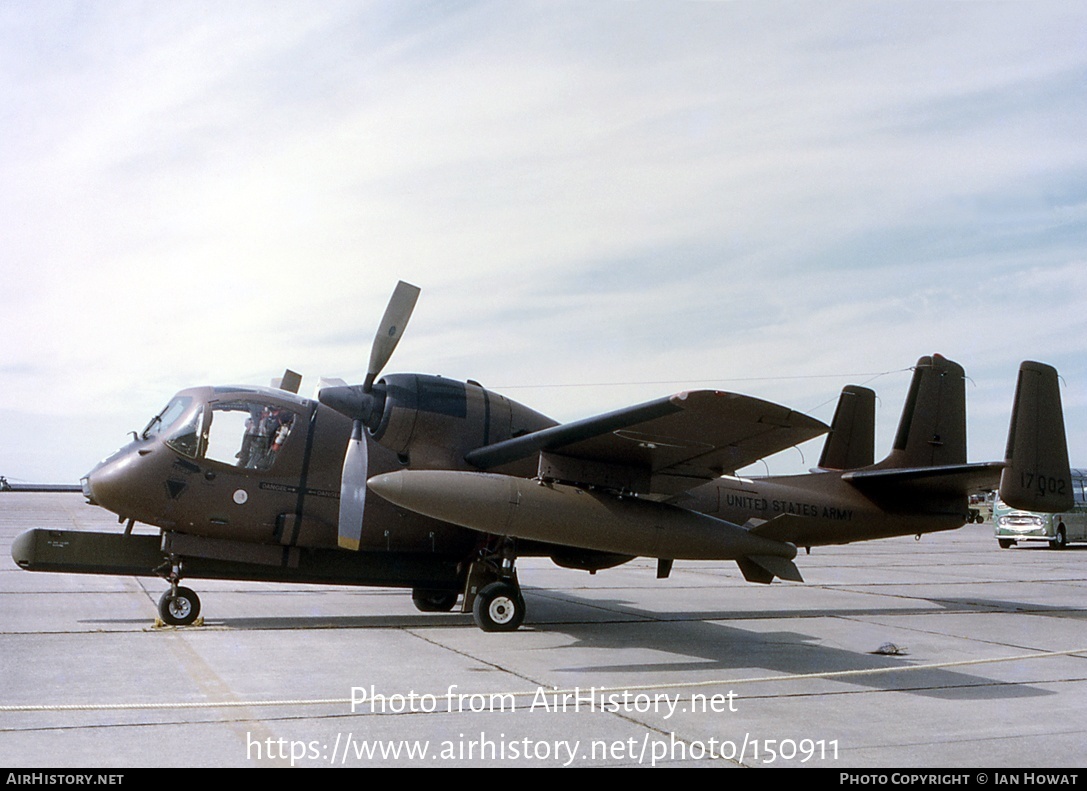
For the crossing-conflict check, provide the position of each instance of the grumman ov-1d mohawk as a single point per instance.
(439, 486)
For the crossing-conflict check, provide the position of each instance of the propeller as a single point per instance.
(364, 404)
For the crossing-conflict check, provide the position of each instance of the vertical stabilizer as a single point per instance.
(1037, 477)
(932, 430)
(851, 443)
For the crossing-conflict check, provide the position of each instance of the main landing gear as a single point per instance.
(428, 600)
(493, 592)
(179, 606)
(499, 607)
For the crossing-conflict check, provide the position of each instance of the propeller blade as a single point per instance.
(353, 489)
(397, 313)
(362, 405)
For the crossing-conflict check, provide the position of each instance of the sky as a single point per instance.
(603, 203)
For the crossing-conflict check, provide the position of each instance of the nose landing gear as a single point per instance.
(179, 606)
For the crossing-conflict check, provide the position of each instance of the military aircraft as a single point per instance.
(438, 485)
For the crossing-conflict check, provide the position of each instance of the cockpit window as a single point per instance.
(185, 438)
(167, 417)
(248, 434)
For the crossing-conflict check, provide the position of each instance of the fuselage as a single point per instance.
(258, 466)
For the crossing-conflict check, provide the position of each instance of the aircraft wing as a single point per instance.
(953, 479)
(662, 447)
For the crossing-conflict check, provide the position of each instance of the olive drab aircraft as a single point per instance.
(439, 486)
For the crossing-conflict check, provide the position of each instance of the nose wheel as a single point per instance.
(179, 607)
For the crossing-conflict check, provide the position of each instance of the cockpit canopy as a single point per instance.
(164, 420)
(240, 429)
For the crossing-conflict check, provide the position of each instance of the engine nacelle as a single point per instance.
(433, 422)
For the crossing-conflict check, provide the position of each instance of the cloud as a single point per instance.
(624, 192)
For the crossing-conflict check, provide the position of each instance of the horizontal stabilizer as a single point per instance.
(1037, 477)
(763, 568)
(951, 480)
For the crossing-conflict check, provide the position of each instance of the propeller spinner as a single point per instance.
(364, 404)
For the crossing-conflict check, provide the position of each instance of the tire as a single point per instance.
(1005, 543)
(1060, 541)
(429, 600)
(181, 609)
(499, 607)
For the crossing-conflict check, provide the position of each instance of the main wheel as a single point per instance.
(499, 607)
(180, 609)
(1060, 541)
(1005, 543)
(428, 600)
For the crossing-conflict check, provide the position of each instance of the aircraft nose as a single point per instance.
(85, 485)
(110, 483)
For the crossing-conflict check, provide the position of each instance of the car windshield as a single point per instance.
(167, 417)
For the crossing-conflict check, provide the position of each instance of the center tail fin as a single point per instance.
(932, 429)
(928, 458)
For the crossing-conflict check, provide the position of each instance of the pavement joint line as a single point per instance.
(831, 674)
